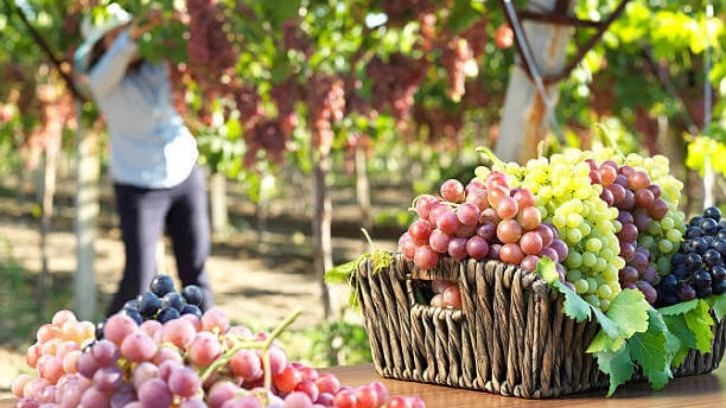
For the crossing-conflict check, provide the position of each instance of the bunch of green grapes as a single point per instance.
(568, 199)
(664, 236)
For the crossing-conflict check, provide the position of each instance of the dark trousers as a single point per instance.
(144, 213)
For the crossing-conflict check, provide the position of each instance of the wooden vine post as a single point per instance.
(541, 41)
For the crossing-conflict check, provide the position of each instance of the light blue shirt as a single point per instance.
(150, 145)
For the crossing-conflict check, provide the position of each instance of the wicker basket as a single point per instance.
(510, 337)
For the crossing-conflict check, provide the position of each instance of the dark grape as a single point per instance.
(167, 314)
(134, 314)
(693, 261)
(692, 233)
(192, 309)
(669, 299)
(721, 234)
(695, 221)
(702, 278)
(99, 329)
(719, 245)
(709, 226)
(711, 257)
(719, 287)
(704, 291)
(173, 299)
(718, 273)
(713, 213)
(700, 245)
(669, 283)
(685, 292)
(161, 285)
(678, 259)
(131, 304)
(149, 304)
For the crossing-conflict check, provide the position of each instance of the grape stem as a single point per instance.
(488, 154)
(264, 345)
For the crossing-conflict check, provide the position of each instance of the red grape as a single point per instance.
(607, 175)
(452, 190)
(420, 230)
(511, 253)
(448, 222)
(546, 233)
(524, 198)
(477, 247)
(457, 248)
(638, 180)
(423, 205)
(644, 198)
(487, 230)
(531, 243)
(529, 217)
(468, 213)
(509, 231)
(452, 296)
(529, 263)
(659, 209)
(507, 208)
(439, 241)
(425, 257)
(407, 246)
(480, 198)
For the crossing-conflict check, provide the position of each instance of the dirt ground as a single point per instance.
(258, 277)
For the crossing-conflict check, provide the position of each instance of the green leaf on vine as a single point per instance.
(617, 365)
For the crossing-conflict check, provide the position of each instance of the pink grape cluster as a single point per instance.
(187, 362)
(481, 221)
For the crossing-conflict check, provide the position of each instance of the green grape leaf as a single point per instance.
(647, 349)
(573, 306)
(604, 343)
(718, 304)
(679, 308)
(341, 273)
(686, 340)
(616, 364)
(699, 321)
(627, 315)
(630, 310)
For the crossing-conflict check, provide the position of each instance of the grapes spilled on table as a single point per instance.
(161, 351)
(609, 222)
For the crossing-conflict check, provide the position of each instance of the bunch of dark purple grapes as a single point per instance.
(698, 268)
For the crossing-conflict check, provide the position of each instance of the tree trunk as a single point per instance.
(321, 223)
(524, 120)
(218, 202)
(86, 225)
(49, 179)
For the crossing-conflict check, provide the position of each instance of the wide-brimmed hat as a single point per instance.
(94, 27)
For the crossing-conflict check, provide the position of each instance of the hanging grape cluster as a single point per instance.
(325, 100)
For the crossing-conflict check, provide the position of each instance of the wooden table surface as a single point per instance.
(707, 390)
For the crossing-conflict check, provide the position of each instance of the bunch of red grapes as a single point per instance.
(395, 83)
(481, 221)
(326, 103)
(639, 204)
(186, 362)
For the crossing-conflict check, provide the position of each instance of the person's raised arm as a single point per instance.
(110, 69)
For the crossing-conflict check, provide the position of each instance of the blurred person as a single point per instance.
(153, 155)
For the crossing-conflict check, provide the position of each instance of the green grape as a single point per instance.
(574, 275)
(594, 245)
(581, 286)
(589, 259)
(574, 260)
